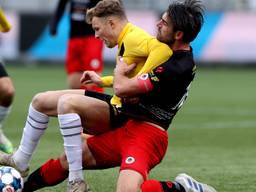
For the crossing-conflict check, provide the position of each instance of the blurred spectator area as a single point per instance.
(229, 25)
(212, 5)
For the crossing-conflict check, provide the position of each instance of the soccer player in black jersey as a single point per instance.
(139, 144)
(84, 51)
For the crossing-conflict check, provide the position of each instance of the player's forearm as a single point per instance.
(124, 86)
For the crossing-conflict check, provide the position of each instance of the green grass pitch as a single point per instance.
(212, 138)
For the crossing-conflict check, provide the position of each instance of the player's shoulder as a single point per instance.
(181, 62)
(155, 41)
(138, 34)
(137, 37)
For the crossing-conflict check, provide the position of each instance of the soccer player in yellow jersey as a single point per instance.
(6, 91)
(110, 23)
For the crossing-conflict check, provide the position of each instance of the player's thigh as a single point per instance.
(94, 113)
(129, 181)
(46, 102)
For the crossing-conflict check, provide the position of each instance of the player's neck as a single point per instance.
(121, 25)
(180, 46)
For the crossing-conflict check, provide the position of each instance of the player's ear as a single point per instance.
(111, 23)
(178, 35)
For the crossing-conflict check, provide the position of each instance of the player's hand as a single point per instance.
(91, 77)
(122, 67)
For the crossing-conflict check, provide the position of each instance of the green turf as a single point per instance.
(212, 138)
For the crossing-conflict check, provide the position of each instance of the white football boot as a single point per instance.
(191, 185)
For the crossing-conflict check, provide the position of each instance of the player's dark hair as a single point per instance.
(105, 8)
(187, 17)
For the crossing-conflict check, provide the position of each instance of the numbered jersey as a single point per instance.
(171, 82)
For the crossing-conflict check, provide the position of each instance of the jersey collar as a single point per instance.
(123, 33)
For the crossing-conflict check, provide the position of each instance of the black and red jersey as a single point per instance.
(171, 82)
(77, 13)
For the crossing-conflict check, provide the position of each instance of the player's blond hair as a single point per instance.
(105, 8)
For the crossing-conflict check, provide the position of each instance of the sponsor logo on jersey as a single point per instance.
(143, 77)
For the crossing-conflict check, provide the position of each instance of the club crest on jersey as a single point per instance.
(129, 160)
(143, 77)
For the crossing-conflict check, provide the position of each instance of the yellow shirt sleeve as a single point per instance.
(158, 54)
(144, 50)
(5, 26)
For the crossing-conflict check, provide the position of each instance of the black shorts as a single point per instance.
(3, 72)
(116, 119)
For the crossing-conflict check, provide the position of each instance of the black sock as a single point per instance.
(169, 186)
(34, 182)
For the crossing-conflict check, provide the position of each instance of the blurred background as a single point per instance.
(227, 37)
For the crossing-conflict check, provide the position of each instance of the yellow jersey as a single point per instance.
(5, 26)
(137, 46)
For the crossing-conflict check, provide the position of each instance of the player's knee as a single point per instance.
(66, 104)
(39, 101)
